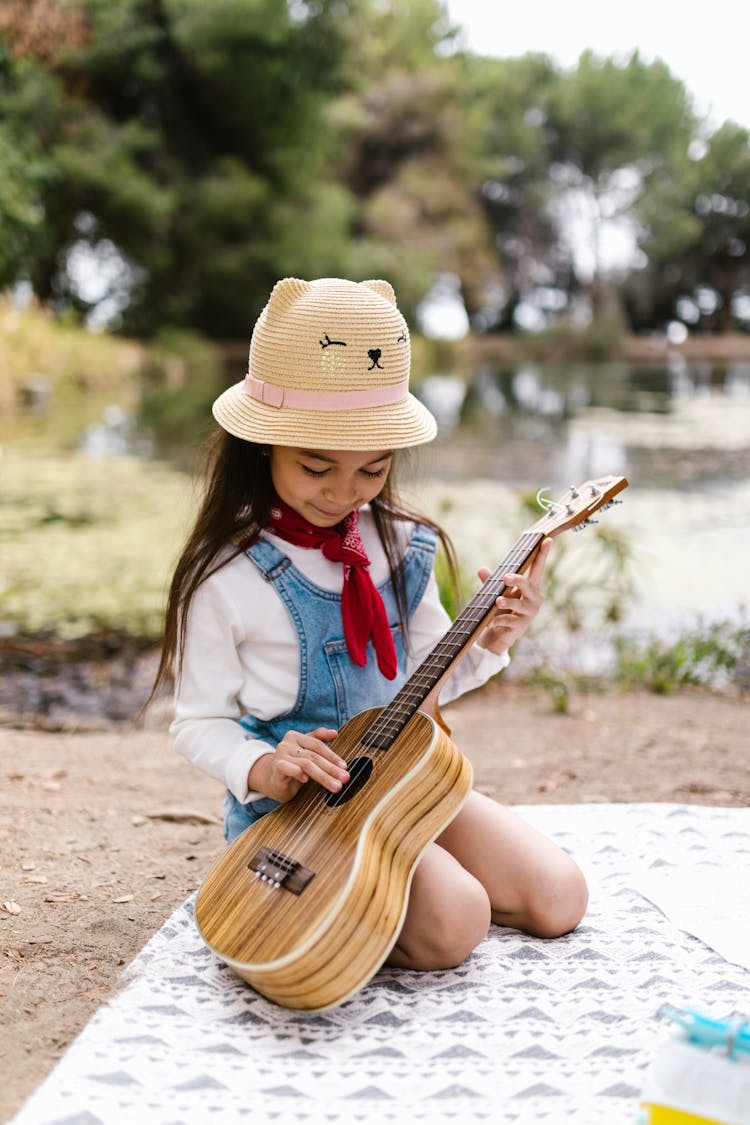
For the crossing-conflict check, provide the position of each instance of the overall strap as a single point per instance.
(270, 561)
(418, 563)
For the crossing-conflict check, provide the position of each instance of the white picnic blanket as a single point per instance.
(526, 1030)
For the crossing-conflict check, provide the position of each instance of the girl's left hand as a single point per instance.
(518, 606)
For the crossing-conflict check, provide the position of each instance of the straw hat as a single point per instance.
(329, 369)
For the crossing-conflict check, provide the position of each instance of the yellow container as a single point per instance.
(690, 1085)
(663, 1115)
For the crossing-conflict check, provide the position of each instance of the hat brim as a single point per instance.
(396, 426)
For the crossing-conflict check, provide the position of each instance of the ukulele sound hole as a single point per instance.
(359, 774)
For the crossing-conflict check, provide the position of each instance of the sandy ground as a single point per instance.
(103, 832)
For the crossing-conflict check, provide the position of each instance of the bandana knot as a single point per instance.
(362, 610)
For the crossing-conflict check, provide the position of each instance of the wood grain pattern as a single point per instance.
(314, 949)
(311, 944)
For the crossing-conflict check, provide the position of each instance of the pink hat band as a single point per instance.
(271, 394)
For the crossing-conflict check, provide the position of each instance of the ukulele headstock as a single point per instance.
(575, 509)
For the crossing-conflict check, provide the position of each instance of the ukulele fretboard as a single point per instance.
(393, 718)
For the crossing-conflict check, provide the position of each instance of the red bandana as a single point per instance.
(362, 607)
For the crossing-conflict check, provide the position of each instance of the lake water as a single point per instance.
(680, 433)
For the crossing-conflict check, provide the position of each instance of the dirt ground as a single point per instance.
(103, 832)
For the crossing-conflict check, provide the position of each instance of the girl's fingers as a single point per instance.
(524, 582)
(330, 776)
(315, 744)
(308, 756)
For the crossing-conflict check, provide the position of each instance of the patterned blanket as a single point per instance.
(526, 1030)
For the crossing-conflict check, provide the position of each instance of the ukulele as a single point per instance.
(307, 903)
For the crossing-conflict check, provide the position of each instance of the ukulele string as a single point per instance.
(418, 686)
(317, 803)
(412, 691)
(519, 555)
(315, 806)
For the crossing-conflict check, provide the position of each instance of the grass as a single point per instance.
(715, 653)
(88, 545)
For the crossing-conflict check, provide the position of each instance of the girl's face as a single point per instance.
(323, 485)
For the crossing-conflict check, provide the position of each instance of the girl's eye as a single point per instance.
(377, 473)
(313, 472)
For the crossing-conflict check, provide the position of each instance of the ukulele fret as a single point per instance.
(407, 701)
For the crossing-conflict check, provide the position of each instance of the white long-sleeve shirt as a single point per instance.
(241, 655)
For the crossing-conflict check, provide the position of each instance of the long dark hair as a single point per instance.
(237, 498)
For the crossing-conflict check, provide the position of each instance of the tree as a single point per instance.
(506, 109)
(401, 145)
(24, 172)
(698, 231)
(416, 215)
(185, 139)
(615, 128)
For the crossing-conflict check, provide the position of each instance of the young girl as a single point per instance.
(305, 594)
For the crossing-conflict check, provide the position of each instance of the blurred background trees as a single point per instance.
(163, 162)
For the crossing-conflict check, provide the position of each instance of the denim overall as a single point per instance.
(332, 688)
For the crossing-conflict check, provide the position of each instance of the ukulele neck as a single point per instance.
(447, 651)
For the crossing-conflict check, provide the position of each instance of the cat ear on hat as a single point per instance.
(286, 292)
(383, 289)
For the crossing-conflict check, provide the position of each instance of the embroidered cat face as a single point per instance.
(332, 335)
(328, 370)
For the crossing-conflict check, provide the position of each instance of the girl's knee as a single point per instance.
(456, 926)
(559, 902)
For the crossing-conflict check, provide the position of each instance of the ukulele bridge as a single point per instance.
(279, 870)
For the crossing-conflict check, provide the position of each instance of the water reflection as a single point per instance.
(114, 434)
(672, 425)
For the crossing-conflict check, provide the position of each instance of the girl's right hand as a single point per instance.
(297, 758)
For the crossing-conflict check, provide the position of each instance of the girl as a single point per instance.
(305, 594)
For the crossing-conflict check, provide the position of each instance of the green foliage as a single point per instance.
(453, 599)
(602, 340)
(713, 654)
(28, 119)
(209, 148)
(188, 136)
(88, 547)
(404, 36)
(582, 144)
(611, 115)
(559, 686)
(23, 169)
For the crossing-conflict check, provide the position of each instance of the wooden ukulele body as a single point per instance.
(308, 902)
(343, 870)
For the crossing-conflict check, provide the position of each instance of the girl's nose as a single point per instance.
(342, 491)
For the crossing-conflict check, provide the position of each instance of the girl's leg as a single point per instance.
(487, 864)
(447, 916)
(532, 884)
